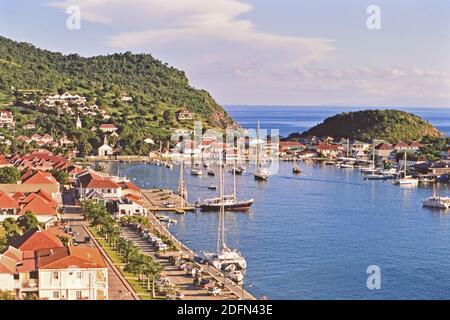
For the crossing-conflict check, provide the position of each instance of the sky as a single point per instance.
(263, 52)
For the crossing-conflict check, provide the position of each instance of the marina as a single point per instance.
(365, 208)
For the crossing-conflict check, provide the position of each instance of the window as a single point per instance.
(55, 275)
(55, 294)
(79, 275)
(79, 295)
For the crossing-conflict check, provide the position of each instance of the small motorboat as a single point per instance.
(296, 170)
(212, 187)
(211, 173)
(196, 172)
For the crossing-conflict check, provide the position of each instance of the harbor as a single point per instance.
(325, 203)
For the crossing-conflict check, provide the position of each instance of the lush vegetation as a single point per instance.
(389, 125)
(157, 90)
(135, 262)
(9, 175)
(12, 228)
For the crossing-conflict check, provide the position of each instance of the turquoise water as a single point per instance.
(313, 236)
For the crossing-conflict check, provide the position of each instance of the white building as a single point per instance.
(6, 118)
(72, 273)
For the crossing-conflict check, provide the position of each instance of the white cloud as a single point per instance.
(227, 54)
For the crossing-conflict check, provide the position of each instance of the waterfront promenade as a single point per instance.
(236, 290)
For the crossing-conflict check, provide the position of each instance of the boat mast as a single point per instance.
(221, 229)
(181, 185)
(234, 180)
(258, 165)
(348, 146)
(373, 157)
(405, 164)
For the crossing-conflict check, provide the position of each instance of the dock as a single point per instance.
(155, 199)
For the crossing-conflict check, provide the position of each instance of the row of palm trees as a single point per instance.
(136, 262)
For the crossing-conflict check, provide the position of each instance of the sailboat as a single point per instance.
(371, 173)
(182, 189)
(406, 180)
(260, 174)
(436, 201)
(230, 202)
(224, 256)
(296, 169)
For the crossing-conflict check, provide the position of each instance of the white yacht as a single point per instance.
(437, 202)
(224, 256)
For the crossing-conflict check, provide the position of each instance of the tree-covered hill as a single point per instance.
(157, 90)
(389, 125)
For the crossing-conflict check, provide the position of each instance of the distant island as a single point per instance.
(366, 125)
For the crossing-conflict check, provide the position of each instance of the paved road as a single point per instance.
(72, 215)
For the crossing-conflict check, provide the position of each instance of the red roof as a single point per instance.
(65, 258)
(7, 265)
(130, 185)
(39, 206)
(416, 144)
(94, 181)
(37, 239)
(39, 177)
(325, 146)
(401, 144)
(384, 146)
(6, 202)
(107, 126)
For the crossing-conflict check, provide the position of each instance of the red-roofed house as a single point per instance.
(37, 239)
(91, 182)
(131, 205)
(384, 150)
(39, 177)
(39, 207)
(8, 205)
(6, 118)
(328, 150)
(285, 146)
(415, 145)
(107, 127)
(72, 273)
(403, 146)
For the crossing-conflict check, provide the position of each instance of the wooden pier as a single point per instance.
(156, 198)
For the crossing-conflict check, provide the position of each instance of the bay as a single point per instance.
(313, 236)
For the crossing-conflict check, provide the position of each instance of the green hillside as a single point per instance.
(389, 125)
(157, 90)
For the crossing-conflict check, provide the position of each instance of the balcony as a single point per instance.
(31, 285)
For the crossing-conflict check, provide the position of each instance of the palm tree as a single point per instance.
(152, 270)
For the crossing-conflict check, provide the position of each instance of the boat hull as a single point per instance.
(238, 206)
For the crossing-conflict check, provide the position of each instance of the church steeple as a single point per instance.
(79, 126)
